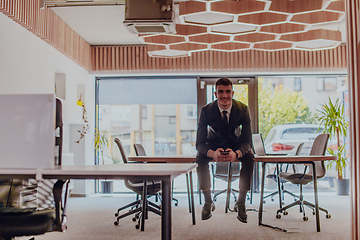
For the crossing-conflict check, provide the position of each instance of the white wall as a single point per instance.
(28, 65)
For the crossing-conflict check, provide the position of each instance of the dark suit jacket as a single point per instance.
(212, 132)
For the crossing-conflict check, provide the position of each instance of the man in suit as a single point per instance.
(224, 135)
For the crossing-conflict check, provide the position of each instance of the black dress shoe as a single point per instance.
(206, 210)
(241, 210)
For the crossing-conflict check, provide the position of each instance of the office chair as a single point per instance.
(259, 149)
(273, 177)
(140, 151)
(46, 214)
(220, 170)
(152, 187)
(318, 148)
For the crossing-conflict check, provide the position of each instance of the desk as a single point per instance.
(173, 159)
(164, 172)
(163, 159)
(291, 159)
(184, 159)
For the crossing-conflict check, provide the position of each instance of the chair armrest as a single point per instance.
(60, 204)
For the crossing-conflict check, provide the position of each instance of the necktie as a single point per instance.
(224, 117)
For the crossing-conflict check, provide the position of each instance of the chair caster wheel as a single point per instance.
(305, 218)
(278, 216)
(272, 198)
(328, 216)
(116, 223)
(134, 219)
(285, 212)
(313, 213)
(116, 214)
(177, 203)
(137, 226)
(264, 202)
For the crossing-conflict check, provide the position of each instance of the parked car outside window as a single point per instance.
(285, 139)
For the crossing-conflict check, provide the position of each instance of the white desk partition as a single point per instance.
(27, 131)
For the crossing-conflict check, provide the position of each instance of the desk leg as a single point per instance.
(166, 210)
(192, 198)
(278, 183)
(262, 194)
(188, 192)
(228, 190)
(144, 206)
(316, 198)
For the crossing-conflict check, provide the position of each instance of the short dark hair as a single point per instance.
(224, 82)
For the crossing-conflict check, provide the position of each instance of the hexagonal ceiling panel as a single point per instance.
(208, 18)
(267, 25)
(233, 28)
(263, 18)
(316, 17)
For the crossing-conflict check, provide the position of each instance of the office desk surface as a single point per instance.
(163, 172)
(111, 171)
(267, 158)
(292, 159)
(163, 159)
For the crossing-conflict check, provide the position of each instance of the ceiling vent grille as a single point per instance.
(149, 16)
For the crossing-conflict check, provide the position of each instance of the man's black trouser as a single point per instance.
(246, 171)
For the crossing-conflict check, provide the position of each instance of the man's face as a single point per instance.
(224, 95)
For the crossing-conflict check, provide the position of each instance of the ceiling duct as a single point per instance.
(149, 16)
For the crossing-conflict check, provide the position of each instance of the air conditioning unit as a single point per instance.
(149, 16)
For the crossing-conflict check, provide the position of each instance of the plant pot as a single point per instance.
(342, 186)
(107, 186)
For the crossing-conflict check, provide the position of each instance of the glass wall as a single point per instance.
(288, 114)
(159, 113)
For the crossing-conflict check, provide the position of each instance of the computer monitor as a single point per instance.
(258, 144)
(27, 131)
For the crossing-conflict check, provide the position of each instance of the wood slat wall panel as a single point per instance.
(135, 58)
(353, 40)
(45, 24)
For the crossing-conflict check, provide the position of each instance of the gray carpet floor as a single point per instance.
(92, 218)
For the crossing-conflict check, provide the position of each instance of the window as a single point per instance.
(191, 111)
(297, 84)
(326, 84)
(172, 119)
(144, 112)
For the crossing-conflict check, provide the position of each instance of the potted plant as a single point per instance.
(333, 122)
(100, 143)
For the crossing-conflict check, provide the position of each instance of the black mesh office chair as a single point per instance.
(30, 218)
(305, 177)
(153, 188)
(140, 151)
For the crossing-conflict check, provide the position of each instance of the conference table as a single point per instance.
(178, 159)
(298, 159)
(136, 171)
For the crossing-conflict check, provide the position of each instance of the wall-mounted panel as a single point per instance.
(135, 58)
